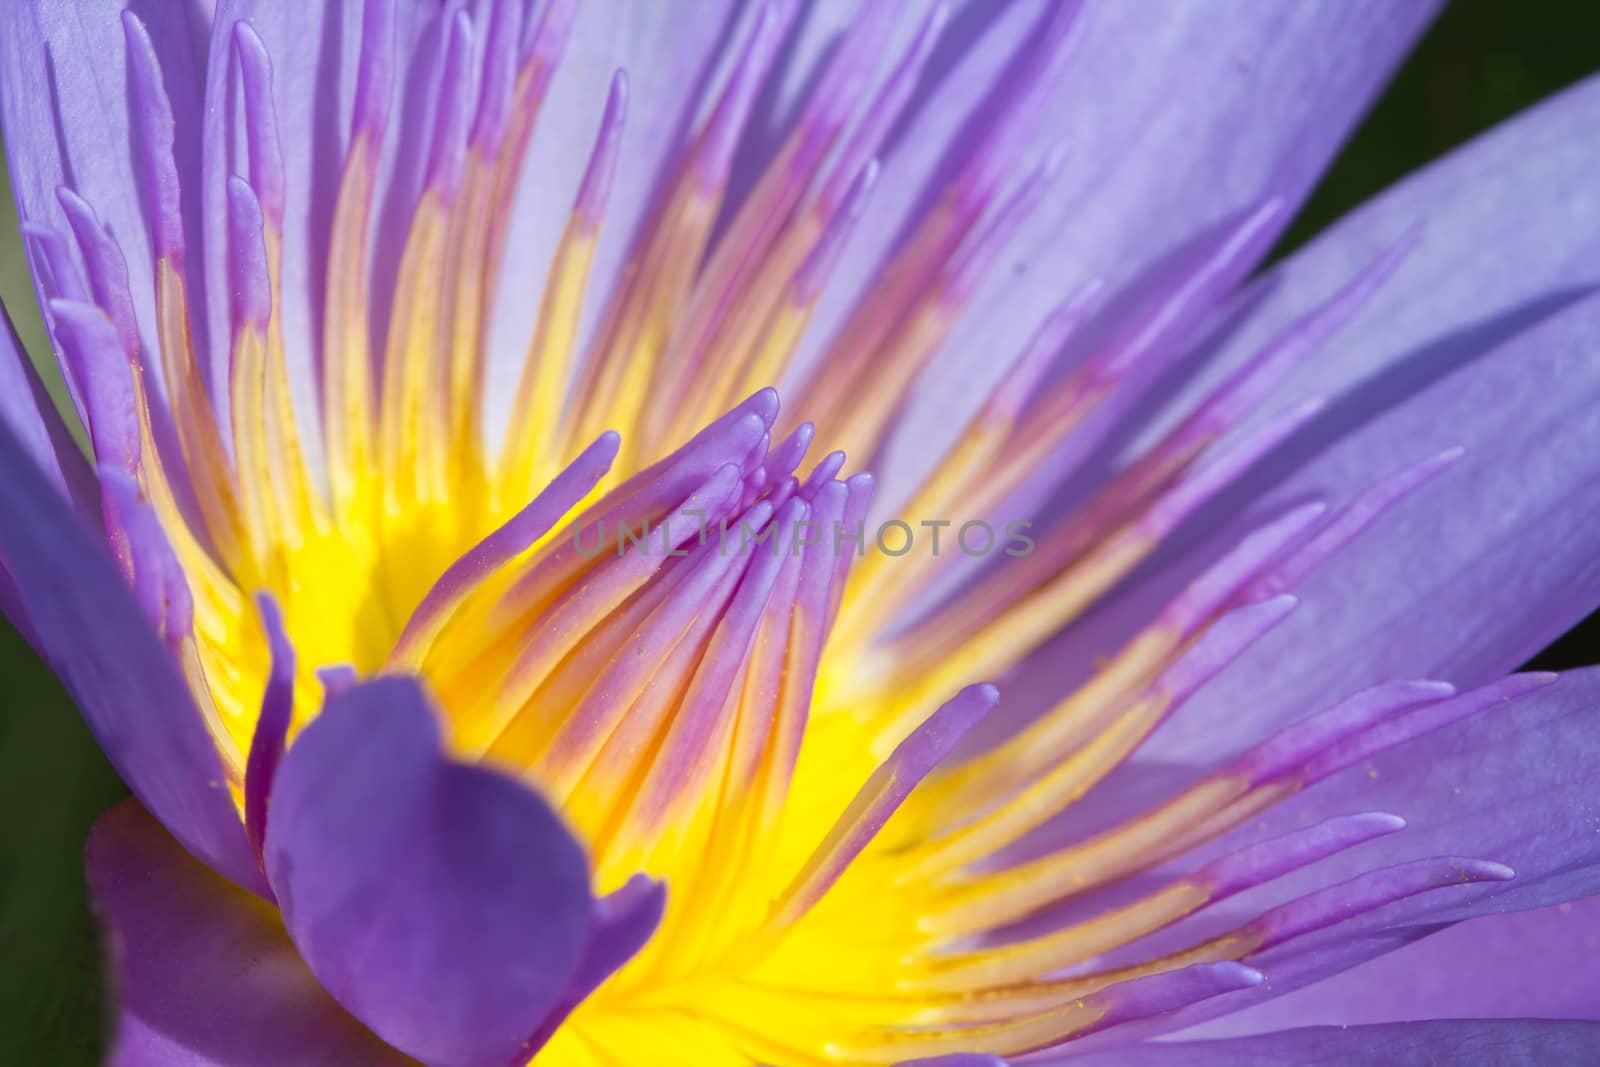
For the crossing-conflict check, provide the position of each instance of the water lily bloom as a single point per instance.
(504, 673)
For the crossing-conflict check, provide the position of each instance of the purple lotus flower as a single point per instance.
(495, 675)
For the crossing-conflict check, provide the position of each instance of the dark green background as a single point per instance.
(1483, 60)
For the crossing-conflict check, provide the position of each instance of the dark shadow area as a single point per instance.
(1483, 61)
(53, 784)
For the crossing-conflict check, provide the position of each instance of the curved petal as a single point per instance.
(98, 641)
(1543, 963)
(1508, 1042)
(621, 923)
(68, 121)
(1482, 339)
(203, 974)
(443, 904)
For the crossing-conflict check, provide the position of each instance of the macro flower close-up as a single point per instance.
(795, 533)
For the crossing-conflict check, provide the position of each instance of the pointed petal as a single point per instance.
(1174, 119)
(1496, 557)
(1512, 783)
(313, 52)
(669, 60)
(1542, 963)
(1465, 580)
